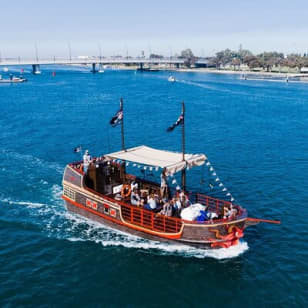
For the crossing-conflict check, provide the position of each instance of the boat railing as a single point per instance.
(216, 205)
(150, 220)
(145, 218)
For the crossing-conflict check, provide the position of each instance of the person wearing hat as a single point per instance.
(86, 161)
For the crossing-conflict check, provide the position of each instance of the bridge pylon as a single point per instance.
(36, 69)
(93, 70)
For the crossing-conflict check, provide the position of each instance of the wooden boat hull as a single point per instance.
(146, 224)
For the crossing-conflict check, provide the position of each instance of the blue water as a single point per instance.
(255, 134)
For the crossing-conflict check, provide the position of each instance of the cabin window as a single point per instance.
(106, 209)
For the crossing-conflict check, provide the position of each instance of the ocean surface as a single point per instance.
(255, 134)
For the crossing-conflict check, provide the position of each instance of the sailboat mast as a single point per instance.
(183, 147)
(100, 52)
(36, 52)
(122, 124)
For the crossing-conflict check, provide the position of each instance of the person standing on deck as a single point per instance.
(163, 184)
(86, 161)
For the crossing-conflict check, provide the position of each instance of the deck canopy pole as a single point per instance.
(183, 147)
(122, 124)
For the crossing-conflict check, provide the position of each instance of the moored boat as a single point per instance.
(13, 79)
(102, 189)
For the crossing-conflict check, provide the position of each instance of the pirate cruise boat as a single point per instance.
(103, 189)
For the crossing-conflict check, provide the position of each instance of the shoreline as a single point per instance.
(258, 73)
(303, 77)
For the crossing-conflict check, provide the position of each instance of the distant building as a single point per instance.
(202, 62)
(304, 70)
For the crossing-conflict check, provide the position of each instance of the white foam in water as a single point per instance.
(200, 85)
(56, 191)
(109, 237)
(26, 203)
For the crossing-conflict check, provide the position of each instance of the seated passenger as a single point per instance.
(225, 212)
(151, 203)
(135, 198)
(185, 201)
(232, 211)
(144, 197)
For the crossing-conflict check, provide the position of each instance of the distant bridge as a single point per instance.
(93, 61)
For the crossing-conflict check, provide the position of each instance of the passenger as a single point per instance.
(180, 195)
(144, 197)
(86, 161)
(183, 197)
(177, 191)
(135, 198)
(134, 185)
(232, 211)
(225, 211)
(167, 209)
(177, 206)
(163, 184)
(151, 203)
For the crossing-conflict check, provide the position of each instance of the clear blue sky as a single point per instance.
(158, 26)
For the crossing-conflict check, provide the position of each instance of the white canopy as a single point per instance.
(158, 158)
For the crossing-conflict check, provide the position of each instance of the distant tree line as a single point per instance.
(265, 60)
(235, 59)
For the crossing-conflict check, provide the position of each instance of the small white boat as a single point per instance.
(171, 79)
(13, 80)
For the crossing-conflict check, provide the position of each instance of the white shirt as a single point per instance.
(178, 204)
(86, 159)
(163, 182)
(152, 203)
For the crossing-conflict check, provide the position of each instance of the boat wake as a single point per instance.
(201, 85)
(105, 236)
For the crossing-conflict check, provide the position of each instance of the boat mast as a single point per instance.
(36, 53)
(100, 52)
(122, 124)
(183, 147)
